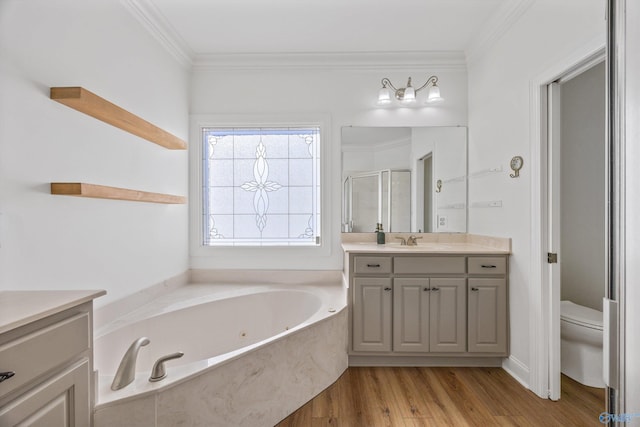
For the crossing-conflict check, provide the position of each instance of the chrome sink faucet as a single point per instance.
(126, 372)
(413, 240)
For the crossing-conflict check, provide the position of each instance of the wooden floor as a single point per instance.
(412, 397)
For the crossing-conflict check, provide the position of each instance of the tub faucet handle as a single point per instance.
(159, 372)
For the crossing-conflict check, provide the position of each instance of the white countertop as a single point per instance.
(424, 248)
(428, 243)
(17, 308)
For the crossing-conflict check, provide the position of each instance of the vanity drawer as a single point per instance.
(372, 265)
(429, 265)
(487, 265)
(34, 354)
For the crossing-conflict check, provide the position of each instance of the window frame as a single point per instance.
(255, 257)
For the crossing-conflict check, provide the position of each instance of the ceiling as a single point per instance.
(206, 27)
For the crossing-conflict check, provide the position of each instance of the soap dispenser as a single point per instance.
(380, 234)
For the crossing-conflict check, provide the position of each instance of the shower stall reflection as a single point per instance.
(382, 196)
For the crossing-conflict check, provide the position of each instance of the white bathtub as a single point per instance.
(252, 355)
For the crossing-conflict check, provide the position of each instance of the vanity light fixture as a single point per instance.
(407, 95)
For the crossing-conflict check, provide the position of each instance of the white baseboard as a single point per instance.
(517, 370)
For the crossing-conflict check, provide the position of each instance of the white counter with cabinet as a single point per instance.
(441, 302)
(46, 359)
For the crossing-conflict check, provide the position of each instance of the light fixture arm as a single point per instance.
(386, 82)
(433, 80)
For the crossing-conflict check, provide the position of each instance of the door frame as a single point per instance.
(544, 346)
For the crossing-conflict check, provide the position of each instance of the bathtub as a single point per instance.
(252, 355)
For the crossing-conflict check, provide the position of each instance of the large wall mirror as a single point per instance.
(409, 179)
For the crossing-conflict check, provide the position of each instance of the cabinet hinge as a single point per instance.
(552, 258)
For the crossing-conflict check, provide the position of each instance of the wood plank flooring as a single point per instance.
(417, 397)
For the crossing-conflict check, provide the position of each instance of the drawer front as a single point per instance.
(488, 265)
(372, 265)
(429, 265)
(34, 354)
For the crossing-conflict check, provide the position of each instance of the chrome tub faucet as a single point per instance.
(126, 372)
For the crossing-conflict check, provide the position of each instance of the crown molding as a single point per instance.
(496, 27)
(157, 25)
(374, 61)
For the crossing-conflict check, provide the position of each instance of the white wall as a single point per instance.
(358, 159)
(583, 183)
(449, 148)
(348, 95)
(499, 128)
(59, 242)
(396, 157)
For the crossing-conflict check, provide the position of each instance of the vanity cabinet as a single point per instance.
(433, 305)
(429, 315)
(51, 359)
(372, 314)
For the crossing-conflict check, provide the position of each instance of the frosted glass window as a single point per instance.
(261, 186)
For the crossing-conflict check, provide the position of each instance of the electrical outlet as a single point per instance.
(442, 221)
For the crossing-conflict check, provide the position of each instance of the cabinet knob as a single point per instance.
(387, 289)
(426, 289)
(488, 266)
(435, 289)
(474, 289)
(6, 375)
(373, 265)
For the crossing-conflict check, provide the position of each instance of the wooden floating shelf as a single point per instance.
(80, 189)
(89, 103)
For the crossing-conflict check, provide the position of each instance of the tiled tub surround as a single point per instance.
(253, 354)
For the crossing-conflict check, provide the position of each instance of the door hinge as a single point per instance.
(552, 258)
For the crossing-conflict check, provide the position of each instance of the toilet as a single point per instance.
(581, 343)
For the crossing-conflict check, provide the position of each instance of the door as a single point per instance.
(553, 237)
(411, 315)
(428, 194)
(447, 319)
(372, 314)
(487, 321)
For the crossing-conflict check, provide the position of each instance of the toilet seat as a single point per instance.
(580, 315)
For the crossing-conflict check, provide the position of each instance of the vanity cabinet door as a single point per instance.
(372, 314)
(411, 315)
(61, 401)
(448, 315)
(488, 315)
